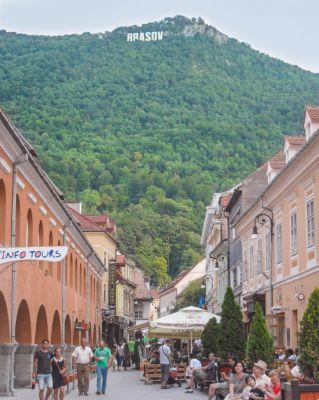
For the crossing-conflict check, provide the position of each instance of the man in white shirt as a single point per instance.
(194, 363)
(165, 360)
(81, 357)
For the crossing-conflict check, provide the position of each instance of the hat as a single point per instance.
(261, 364)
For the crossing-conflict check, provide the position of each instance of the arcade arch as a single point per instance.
(4, 321)
(67, 330)
(41, 330)
(56, 329)
(23, 324)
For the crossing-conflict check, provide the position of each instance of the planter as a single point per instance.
(296, 391)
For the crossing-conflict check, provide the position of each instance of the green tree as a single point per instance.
(190, 295)
(231, 339)
(260, 344)
(91, 200)
(309, 338)
(210, 337)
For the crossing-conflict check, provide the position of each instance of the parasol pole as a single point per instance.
(191, 341)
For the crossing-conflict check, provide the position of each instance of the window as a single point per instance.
(259, 257)
(268, 252)
(293, 233)
(279, 243)
(234, 272)
(138, 314)
(251, 261)
(244, 268)
(104, 293)
(310, 224)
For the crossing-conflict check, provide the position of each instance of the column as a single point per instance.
(5, 352)
(23, 364)
(68, 355)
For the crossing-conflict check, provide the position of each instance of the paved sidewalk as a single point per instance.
(123, 386)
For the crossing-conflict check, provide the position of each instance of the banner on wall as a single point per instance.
(39, 253)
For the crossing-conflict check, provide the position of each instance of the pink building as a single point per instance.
(281, 270)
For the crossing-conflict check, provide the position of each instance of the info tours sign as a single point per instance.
(39, 253)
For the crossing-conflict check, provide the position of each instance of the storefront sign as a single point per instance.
(112, 286)
(17, 254)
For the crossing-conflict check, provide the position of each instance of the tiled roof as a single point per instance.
(296, 140)
(155, 294)
(141, 290)
(313, 113)
(224, 200)
(278, 161)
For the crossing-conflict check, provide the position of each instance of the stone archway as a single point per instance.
(4, 321)
(41, 330)
(76, 334)
(67, 330)
(23, 324)
(56, 329)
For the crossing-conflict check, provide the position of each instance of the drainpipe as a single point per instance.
(13, 268)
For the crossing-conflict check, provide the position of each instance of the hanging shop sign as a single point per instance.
(82, 326)
(112, 286)
(17, 254)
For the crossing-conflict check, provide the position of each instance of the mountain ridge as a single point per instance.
(146, 131)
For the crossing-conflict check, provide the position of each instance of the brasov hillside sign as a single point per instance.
(16, 254)
(144, 36)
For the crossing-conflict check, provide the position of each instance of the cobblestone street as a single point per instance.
(125, 386)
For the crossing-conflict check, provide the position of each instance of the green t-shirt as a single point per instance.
(105, 353)
(131, 345)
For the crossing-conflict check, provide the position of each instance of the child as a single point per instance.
(250, 391)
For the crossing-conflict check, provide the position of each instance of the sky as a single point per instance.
(286, 29)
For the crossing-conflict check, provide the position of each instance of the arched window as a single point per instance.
(81, 281)
(29, 231)
(18, 222)
(76, 276)
(51, 244)
(84, 282)
(3, 203)
(59, 266)
(71, 271)
(40, 240)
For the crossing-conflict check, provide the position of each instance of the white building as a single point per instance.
(170, 292)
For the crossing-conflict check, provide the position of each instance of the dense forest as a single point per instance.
(145, 131)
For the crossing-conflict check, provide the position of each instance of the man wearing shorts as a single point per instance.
(42, 370)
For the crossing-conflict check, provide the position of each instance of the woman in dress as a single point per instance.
(58, 370)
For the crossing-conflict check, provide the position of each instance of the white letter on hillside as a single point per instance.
(147, 36)
(154, 35)
(135, 36)
(129, 37)
(160, 35)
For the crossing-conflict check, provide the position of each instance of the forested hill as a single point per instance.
(146, 130)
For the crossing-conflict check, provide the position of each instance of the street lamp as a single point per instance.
(221, 257)
(262, 219)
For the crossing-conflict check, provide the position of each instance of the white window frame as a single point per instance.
(310, 221)
(279, 243)
(251, 262)
(259, 256)
(293, 233)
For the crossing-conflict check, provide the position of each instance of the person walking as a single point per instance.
(165, 361)
(42, 370)
(120, 355)
(81, 357)
(103, 358)
(59, 367)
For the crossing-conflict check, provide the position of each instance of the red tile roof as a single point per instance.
(155, 294)
(224, 200)
(296, 140)
(278, 161)
(313, 113)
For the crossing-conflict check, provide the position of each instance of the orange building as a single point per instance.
(42, 300)
(281, 270)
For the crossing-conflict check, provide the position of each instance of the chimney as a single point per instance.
(75, 205)
(147, 281)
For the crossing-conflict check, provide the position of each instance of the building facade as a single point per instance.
(142, 298)
(39, 299)
(280, 261)
(169, 293)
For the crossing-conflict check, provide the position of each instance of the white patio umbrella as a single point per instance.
(187, 323)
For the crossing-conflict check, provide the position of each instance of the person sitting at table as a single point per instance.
(194, 363)
(223, 385)
(203, 373)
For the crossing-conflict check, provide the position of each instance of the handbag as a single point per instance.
(65, 376)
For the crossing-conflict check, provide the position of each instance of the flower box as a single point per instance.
(299, 391)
